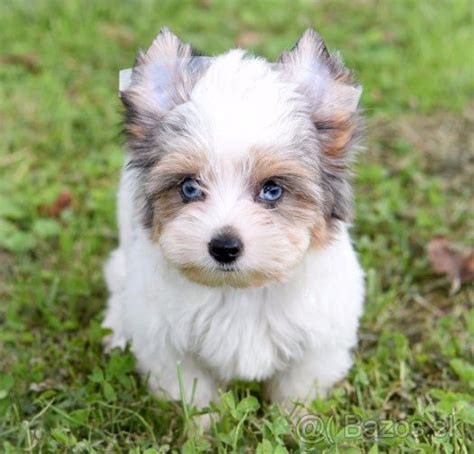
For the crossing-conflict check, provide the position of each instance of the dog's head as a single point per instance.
(242, 163)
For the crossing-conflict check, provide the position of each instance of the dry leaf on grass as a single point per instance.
(53, 210)
(28, 61)
(448, 259)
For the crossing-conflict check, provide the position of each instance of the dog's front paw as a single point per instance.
(308, 379)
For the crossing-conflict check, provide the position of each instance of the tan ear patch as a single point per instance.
(136, 131)
(336, 133)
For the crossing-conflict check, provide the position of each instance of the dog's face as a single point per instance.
(242, 164)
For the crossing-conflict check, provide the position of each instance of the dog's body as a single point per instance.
(234, 256)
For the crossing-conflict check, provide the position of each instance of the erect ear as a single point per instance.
(333, 98)
(162, 78)
(157, 75)
(328, 85)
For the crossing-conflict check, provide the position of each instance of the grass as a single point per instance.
(59, 130)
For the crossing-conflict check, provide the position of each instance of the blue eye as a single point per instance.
(190, 190)
(271, 191)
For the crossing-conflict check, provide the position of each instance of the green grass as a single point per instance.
(59, 131)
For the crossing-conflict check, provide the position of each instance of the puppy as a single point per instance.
(235, 259)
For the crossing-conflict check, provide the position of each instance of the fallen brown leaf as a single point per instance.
(450, 260)
(28, 61)
(62, 201)
(467, 268)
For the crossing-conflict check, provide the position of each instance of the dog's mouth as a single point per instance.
(225, 275)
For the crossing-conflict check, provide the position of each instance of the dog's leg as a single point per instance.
(113, 321)
(199, 386)
(115, 277)
(309, 378)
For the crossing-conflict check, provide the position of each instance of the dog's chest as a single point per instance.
(245, 336)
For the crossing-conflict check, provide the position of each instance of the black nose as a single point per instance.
(225, 248)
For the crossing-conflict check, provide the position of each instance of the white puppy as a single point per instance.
(234, 256)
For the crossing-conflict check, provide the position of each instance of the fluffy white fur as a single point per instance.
(295, 334)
